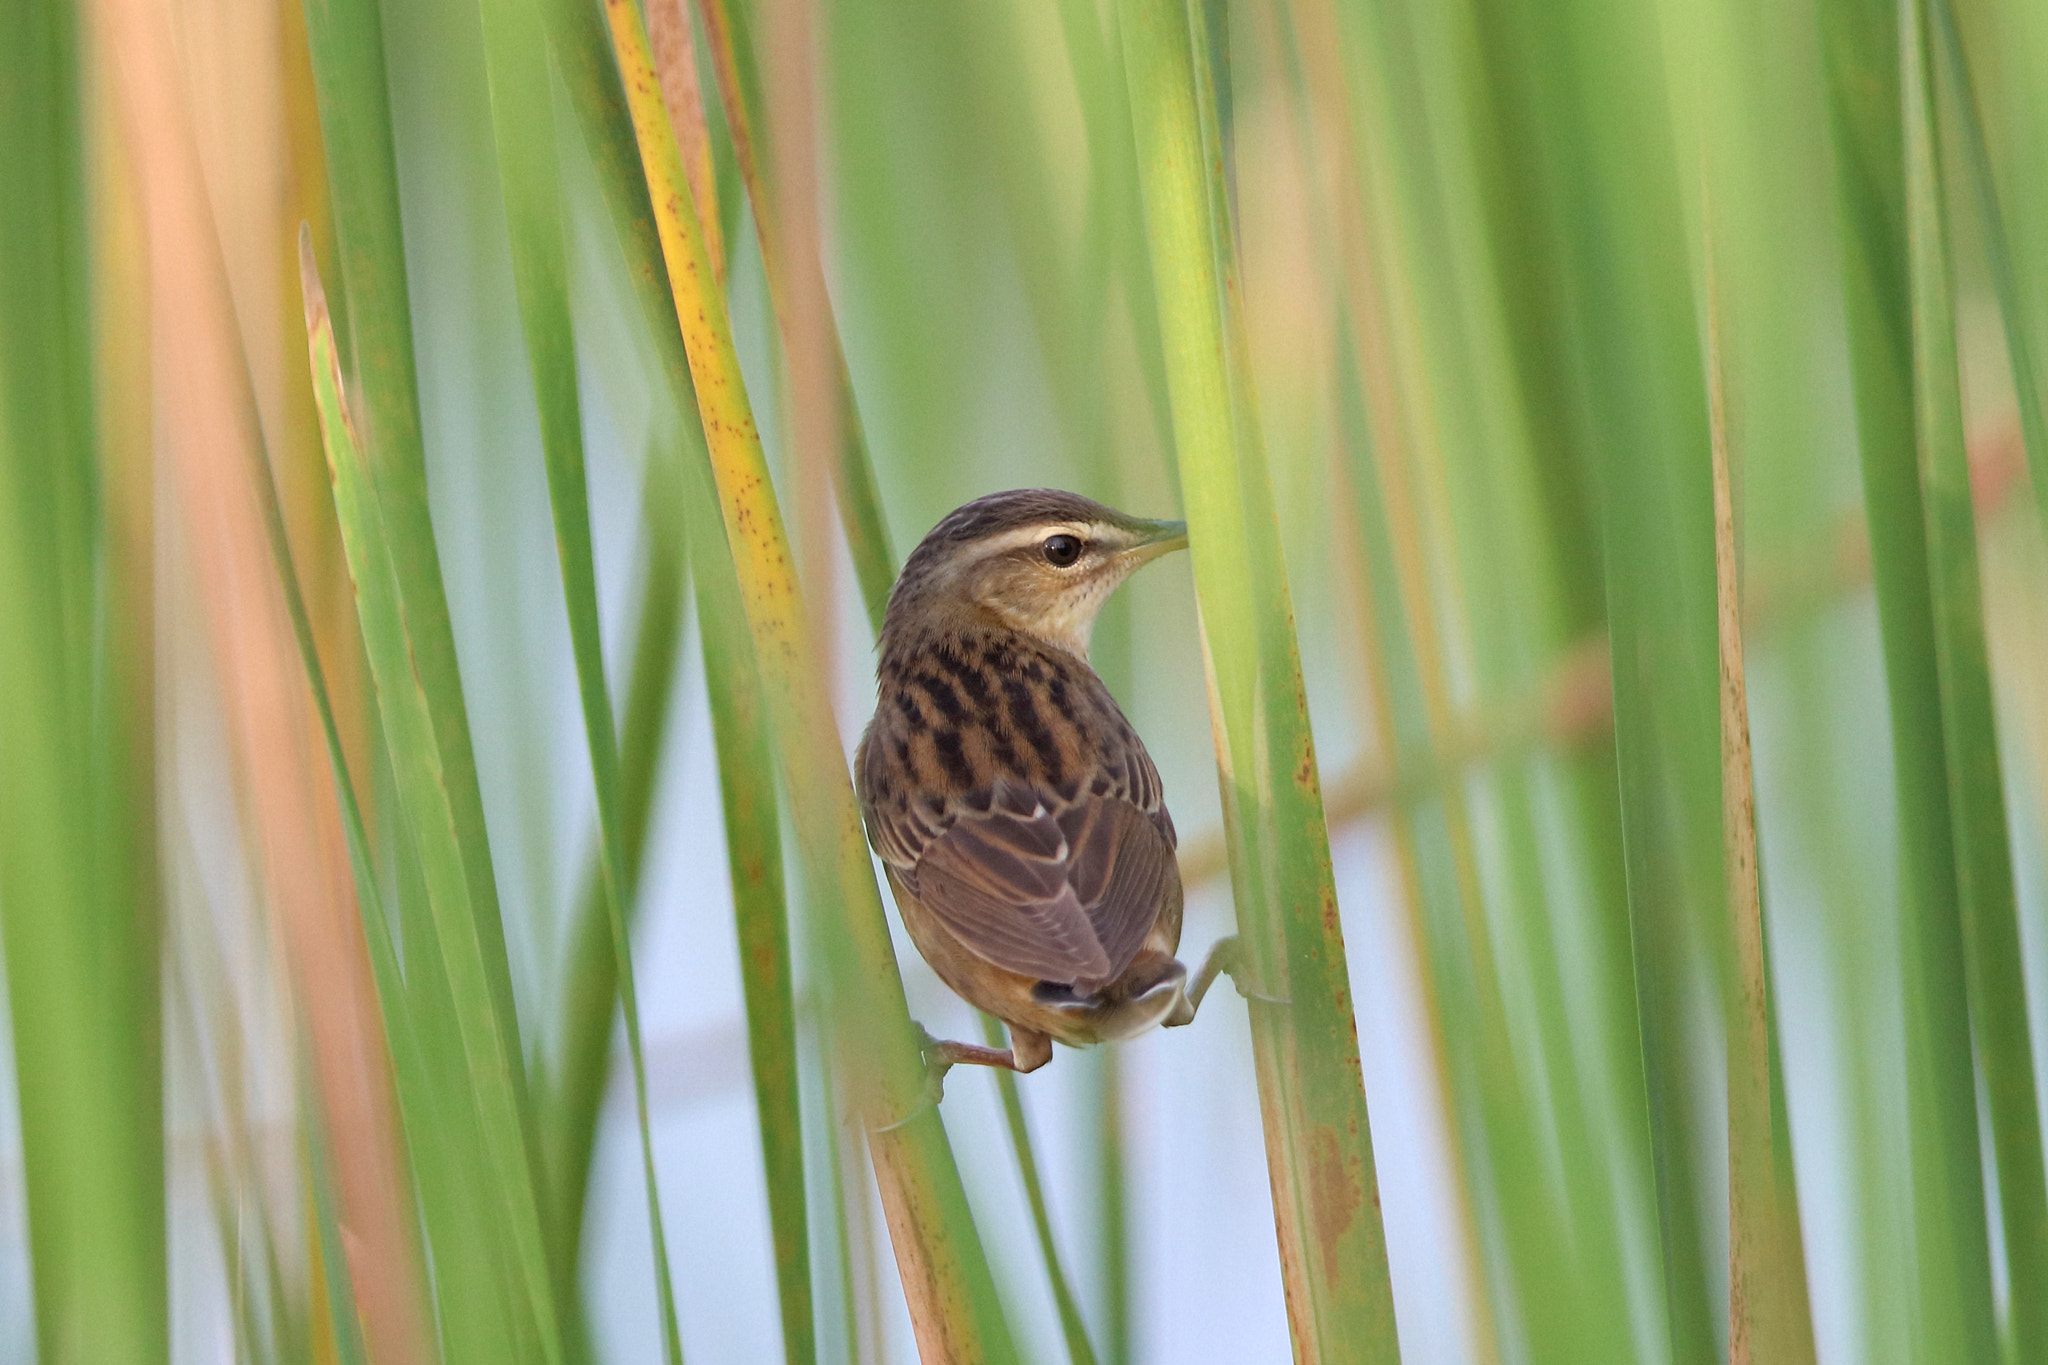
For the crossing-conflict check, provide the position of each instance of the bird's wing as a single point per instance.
(1058, 877)
(1061, 890)
(1141, 783)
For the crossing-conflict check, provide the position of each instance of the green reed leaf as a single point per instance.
(2027, 379)
(522, 118)
(1332, 1248)
(952, 1296)
(78, 912)
(682, 489)
(417, 704)
(1985, 892)
(859, 499)
(1950, 1257)
(574, 1092)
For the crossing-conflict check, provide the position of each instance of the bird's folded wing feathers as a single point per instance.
(1064, 896)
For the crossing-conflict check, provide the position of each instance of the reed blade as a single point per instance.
(1950, 1280)
(1984, 888)
(418, 706)
(1319, 1149)
(953, 1297)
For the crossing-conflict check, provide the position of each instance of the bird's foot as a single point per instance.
(942, 1055)
(936, 1065)
(1227, 958)
(939, 1057)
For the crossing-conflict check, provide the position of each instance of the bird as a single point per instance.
(1014, 809)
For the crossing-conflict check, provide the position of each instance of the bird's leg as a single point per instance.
(942, 1055)
(1222, 957)
(1225, 959)
(1028, 1051)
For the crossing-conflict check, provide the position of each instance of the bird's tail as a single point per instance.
(1150, 992)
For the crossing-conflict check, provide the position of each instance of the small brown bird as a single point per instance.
(1016, 811)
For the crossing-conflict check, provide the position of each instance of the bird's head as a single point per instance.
(1040, 560)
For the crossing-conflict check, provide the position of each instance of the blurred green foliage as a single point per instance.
(1428, 316)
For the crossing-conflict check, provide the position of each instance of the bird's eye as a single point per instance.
(1061, 551)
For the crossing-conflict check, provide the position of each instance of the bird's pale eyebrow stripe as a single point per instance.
(1025, 536)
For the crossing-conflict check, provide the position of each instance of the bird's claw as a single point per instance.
(936, 1062)
(1250, 994)
(932, 1086)
(1236, 971)
(1227, 958)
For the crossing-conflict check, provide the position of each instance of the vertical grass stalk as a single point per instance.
(1768, 1315)
(2027, 380)
(1072, 1328)
(210, 433)
(945, 1274)
(796, 279)
(1326, 1208)
(574, 1092)
(1986, 899)
(470, 995)
(1949, 1260)
(521, 99)
(522, 118)
(681, 488)
(80, 925)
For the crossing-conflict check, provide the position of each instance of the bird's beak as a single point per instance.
(1158, 538)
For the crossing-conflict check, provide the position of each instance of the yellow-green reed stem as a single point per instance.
(946, 1277)
(860, 499)
(768, 586)
(675, 62)
(681, 488)
(1768, 1315)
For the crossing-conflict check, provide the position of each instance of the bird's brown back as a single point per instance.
(1004, 786)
